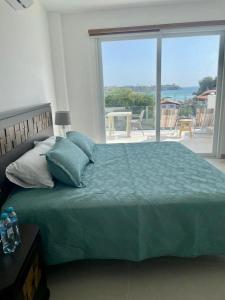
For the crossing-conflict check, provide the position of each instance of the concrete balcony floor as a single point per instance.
(200, 142)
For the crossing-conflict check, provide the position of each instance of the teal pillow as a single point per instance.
(66, 162)
(84, 142)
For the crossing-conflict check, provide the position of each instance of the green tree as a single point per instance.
(125, 97)
(207, 83)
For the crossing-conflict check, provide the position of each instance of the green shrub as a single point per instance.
(124, 97)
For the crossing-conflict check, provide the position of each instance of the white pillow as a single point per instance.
(31, 170)
(49, 141)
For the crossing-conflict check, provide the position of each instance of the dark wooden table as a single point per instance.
(22, 274)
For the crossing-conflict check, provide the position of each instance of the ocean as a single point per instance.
(184, 93)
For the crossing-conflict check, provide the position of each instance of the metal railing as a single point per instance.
(169, 116)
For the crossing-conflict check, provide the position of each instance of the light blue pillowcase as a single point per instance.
(83, 142)
(66, 162)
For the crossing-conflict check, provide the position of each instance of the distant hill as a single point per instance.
(167, 87)
(143, 88)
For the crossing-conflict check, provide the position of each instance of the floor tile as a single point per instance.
(101, 280)
(178, 279)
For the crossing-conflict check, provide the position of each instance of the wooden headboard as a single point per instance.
(18, 130)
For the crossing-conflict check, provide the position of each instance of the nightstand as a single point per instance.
(22, 274)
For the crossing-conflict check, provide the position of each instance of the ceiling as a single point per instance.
(86, 5)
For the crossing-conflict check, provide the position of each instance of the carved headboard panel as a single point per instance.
(18, 130)
(19, 133)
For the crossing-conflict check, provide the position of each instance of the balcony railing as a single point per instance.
(203, 118)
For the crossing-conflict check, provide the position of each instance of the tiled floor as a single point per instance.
(154, 279)
(218, 163)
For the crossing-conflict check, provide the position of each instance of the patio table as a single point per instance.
(112, 115)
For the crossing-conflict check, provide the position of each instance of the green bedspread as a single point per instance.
(140, 201)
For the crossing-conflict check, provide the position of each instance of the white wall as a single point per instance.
(25, 61)
(58, 61)
(80, 50)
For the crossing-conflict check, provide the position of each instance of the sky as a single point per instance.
(185, 61)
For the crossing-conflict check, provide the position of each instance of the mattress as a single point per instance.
(139, 201)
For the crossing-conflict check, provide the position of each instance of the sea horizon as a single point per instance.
(181, 94)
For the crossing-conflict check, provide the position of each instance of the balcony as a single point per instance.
(190, 124)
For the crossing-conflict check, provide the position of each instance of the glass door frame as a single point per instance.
(159, 38)
(100, 71)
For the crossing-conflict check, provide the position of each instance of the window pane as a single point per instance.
(189, 79)
(129, 73)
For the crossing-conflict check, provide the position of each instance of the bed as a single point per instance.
(139, 201)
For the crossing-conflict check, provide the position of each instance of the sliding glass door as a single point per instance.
(188, 104)
(129, 76)
(164, 88)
